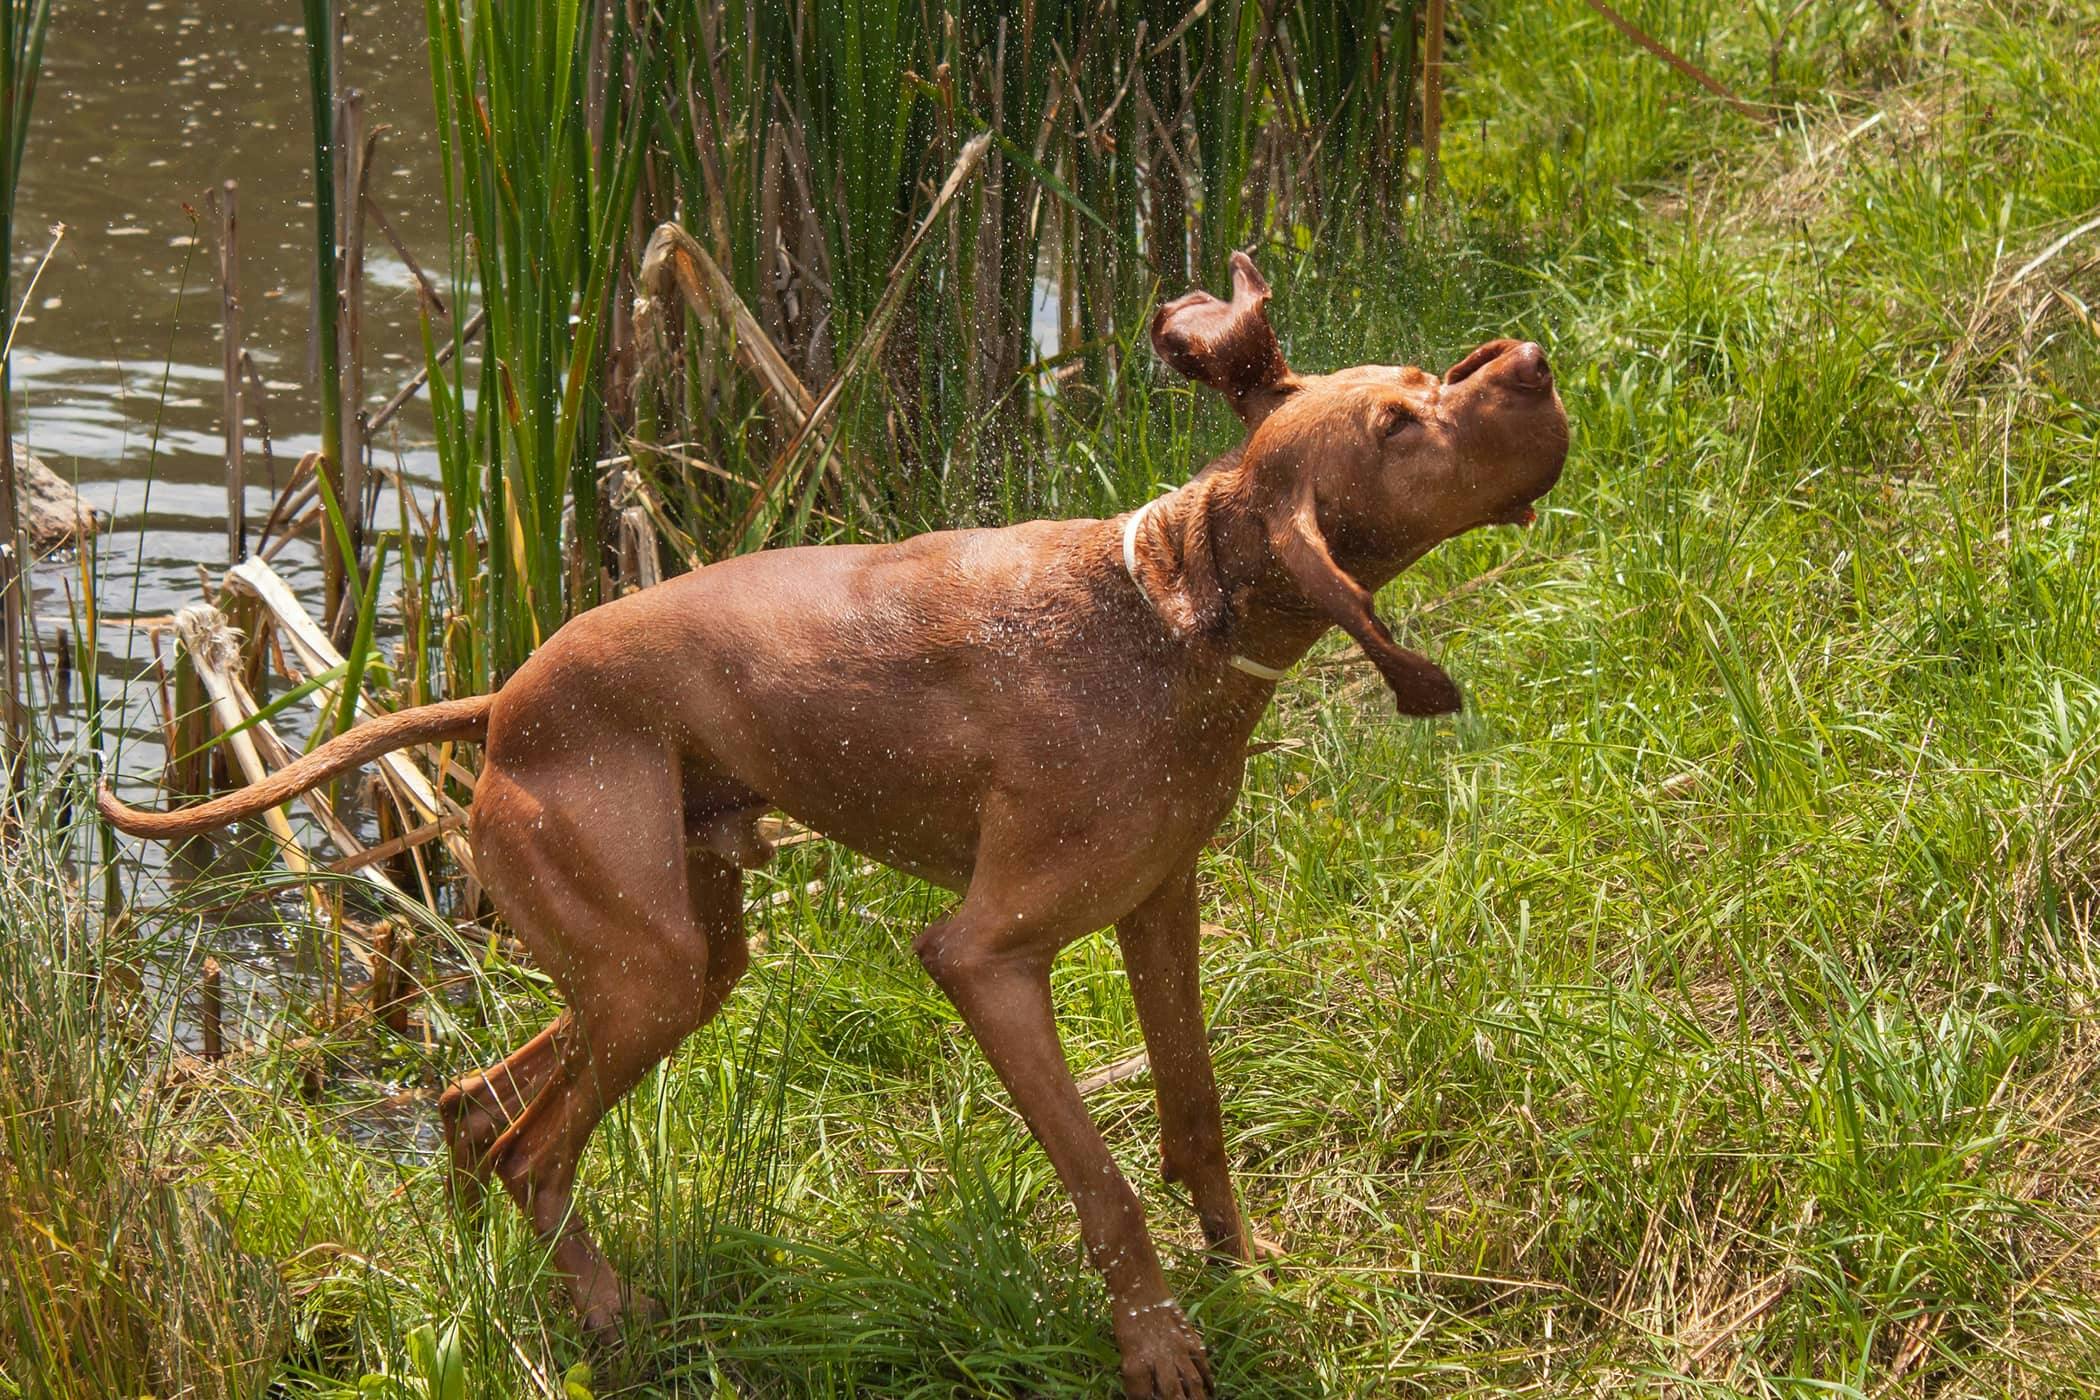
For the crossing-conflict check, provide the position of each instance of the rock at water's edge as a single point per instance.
(52, 511)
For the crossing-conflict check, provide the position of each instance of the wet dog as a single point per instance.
(1049, 719)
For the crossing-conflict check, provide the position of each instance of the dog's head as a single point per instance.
(1356, 474)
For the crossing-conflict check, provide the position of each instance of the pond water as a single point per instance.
(141, 112)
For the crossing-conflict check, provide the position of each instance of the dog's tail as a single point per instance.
(448, 719)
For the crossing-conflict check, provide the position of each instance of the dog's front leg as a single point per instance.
(1159, 940)
(995, 967)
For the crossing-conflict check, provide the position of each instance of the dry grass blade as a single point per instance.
(211, 651)
(408, 840)
(1433, 93)
(1173, 37)
(277, 754)
(1675, 60)
(227, 205)
(2048, 254)
(674, 261)
(1738, 1313)
(421, 377)
(1115, 1072)
(425, 288)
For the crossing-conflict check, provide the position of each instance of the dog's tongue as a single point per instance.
(1529, 518)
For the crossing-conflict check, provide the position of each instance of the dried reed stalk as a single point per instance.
(257, 579)
(214, 656)
(1675, 60)
(211, 1011)
(230, 348)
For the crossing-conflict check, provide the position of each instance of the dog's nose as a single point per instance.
(1525, 367)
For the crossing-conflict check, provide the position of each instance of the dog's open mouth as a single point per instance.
(1523, 516)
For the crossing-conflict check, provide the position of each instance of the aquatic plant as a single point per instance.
(542, 149)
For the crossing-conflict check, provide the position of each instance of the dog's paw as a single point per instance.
(1163, 1358)
(607, 1317)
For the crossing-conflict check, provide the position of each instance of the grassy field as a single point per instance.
(1708, 1010)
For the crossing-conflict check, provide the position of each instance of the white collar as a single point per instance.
(1130, 533)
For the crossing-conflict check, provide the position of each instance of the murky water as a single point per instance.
(142, 111)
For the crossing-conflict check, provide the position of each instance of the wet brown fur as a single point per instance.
(998, 711)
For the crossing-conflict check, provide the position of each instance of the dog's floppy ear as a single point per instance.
(1228, 345)
(1419, 685)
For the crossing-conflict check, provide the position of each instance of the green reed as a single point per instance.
(539, 185)
(338, 558)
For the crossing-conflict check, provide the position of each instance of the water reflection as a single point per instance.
(143, 110)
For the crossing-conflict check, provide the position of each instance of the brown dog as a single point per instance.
(1048, 719)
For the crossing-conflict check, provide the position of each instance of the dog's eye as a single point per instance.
(1398, 420)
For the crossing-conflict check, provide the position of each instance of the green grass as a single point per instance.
(117, 1274)
(1708, 1010)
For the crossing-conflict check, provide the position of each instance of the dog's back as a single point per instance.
(877, 692)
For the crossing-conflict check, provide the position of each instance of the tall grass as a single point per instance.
(539, 186)
(117, 1273)
(1708, 1010)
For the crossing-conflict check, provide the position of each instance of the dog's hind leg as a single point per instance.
(476, 1109)
(592, 872)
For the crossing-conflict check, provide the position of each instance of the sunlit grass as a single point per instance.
(1710, 1006)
